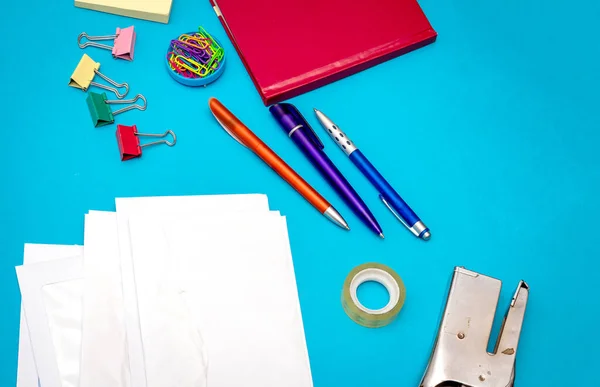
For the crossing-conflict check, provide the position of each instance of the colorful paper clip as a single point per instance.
(84, 73)
(123, 46)
(129, 142)
(100, 111)
(195, 58)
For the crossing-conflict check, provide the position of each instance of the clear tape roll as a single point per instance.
(373, 318)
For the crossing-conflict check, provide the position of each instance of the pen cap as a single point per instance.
(290, 120)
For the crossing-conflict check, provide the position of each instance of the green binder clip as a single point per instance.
(101, 112)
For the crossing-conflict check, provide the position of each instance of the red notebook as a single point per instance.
(290, 47)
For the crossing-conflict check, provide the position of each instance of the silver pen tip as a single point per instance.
(336, 218)
(426, 235)
(381, 236)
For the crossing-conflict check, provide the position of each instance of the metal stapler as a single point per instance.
(460, 357)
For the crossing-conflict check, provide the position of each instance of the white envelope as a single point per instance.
(34, 253)
(236, 277)
(158, 206)
(51, 296)
(104, 354)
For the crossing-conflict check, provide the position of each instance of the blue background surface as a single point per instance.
(491, 134)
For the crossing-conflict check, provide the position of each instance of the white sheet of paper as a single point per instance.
(35, 253)
(104, 354)
(158, 206)
(51, 296)
(236, 277)
(169, 335)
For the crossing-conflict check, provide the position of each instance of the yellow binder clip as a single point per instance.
(86, 70)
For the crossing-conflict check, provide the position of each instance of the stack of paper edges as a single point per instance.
(167, 291)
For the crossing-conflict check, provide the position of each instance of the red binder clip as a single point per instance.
(129, 142)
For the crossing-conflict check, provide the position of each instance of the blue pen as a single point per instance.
(387, 194)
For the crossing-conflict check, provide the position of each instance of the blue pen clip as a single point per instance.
(418, 229)
(394, 212)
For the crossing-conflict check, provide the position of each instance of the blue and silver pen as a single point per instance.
(387, 194)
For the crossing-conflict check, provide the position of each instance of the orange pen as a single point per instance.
(247, 138)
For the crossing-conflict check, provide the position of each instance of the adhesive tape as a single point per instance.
(373, 318)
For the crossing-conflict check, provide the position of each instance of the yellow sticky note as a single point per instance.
(153, 10)
(84, 73)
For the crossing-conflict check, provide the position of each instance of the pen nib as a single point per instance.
(381, 236)
(336, 218)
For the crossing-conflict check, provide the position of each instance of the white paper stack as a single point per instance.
(188, 291)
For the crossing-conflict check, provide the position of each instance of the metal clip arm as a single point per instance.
(133, 100)
(165, 134)
(90, 42)
(113, 89)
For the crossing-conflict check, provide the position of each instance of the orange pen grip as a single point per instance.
(249, 139)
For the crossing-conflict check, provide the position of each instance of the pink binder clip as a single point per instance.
(129, 142)
(123, 46)
(124, 43)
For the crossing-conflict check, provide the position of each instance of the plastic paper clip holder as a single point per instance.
(129, 142)
(101, 112)
(85, 72)
(123, 46)
(460, 356)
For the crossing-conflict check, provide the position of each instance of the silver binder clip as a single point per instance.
(460, 356)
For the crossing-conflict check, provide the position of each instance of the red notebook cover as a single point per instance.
(290, 47)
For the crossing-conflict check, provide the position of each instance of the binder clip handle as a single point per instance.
(131, 107)
(165, 134)
(114, 89)
(90, 41)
